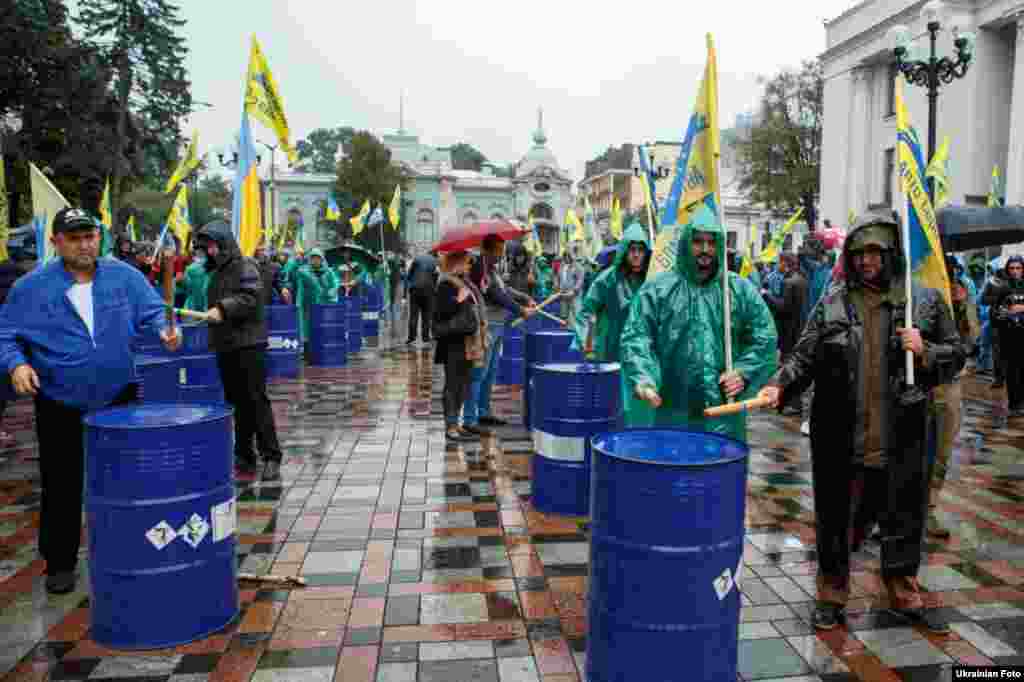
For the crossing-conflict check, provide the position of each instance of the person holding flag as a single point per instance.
(673, 350)
(602, 314)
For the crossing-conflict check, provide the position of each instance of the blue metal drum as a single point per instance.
(195, 339)
(328, 338)
(538, 323)
(148, 342)
(158, 378)
(667, 508)
(510, 365)
(199, 380)
(283, 346)
(160, 503)
(373, 302)
(354, 306)
(545, 347)
(571, 403)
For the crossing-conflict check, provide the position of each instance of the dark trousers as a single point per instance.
(421, 306)
(457, 379)
(1013, 367)
(61, 435)
(243, 373)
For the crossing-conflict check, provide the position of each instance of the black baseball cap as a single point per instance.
(69, 219)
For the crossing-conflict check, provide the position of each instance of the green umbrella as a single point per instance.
(352, 252)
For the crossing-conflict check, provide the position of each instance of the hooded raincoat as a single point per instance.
(314, 285)
(195, 282)
(673, 339)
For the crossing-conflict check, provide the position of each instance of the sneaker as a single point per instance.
(805, 428)
(60, 582)
(469, 435)
(476, 430)
(828, 615)
(271, 471)
(491, 420)
(453, 435)
(929, 619)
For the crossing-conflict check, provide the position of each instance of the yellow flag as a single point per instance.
(938, 171)
(263, 101)
(771, 254)
(358, 222)
(131, 229)
(748, 258)
(105, 216)
(46, 202)
(616, 219)
(188, 163)
(573, 220)
(395, 209)
(178, 220)
(851, 219)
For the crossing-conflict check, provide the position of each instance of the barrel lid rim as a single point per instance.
(573, 367)
(214, 413)
(690, 465)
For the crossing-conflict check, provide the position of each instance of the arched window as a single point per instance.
(542, 212)
(469, 217)
(497, 216)
(424, 225)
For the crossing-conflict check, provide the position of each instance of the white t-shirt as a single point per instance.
(81, 298)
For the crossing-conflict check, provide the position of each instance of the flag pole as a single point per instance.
(908, 285)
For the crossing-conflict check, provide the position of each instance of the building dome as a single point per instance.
(539, 155)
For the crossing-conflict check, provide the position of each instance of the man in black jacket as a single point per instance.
(422, 281)
(788, 313)
(238, 334)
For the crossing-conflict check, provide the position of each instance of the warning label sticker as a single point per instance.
(161, 535)
(723, 584)
(225, 519)
(194, 530)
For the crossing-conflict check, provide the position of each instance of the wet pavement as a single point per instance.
(429, 564)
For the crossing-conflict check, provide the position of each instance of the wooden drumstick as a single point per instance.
(735, 408)
(194, 314)
(540, 307)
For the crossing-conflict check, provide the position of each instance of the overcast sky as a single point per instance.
(604, 72)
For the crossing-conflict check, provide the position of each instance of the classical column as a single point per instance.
(855, 169)
(1015, 157)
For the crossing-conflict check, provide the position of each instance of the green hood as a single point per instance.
(316, 252)
(893, 263)
(634, 233)
(703, 221)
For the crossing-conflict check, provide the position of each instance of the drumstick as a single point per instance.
(550, 298)
(194, 314)
(735, 408)
(281, 579)
(548, 315)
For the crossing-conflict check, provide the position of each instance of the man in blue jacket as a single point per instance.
(66, 332)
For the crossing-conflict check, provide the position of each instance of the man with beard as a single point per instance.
(604, 310)
(788, 311)
(66, 333)
(673, 350)
(238, 335)
(1005, 296)
(869, 429)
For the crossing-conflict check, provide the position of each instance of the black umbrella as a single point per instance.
(966, 229)
(340, 254)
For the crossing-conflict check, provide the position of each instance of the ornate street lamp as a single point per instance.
(655, 173)
(935, 71)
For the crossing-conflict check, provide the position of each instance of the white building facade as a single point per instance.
(981, 113)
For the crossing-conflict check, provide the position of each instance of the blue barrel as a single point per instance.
(160, 504)
(545, 347)
(510, 365)
(199, 380)
(571, 403)
(537, 323)
(158, 378)
(354, 307)
(373, 302)
(667, 508)
(147, 342)
(328, 340)
(195, 339)
(283, 346)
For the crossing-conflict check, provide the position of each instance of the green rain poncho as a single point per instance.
(545, 278)
(314, 285)
(195, 282)
(673, 339)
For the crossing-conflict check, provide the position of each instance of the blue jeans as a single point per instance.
(479, 402)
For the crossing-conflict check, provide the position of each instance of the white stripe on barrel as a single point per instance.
(562, 448)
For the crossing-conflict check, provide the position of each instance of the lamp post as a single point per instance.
(273, 186)
(653, 174)
(934, 71)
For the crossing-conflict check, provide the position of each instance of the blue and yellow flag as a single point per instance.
(573, 221)
(188, 163)
(358, 221)
(395, 208)
(332, 212)
(132, 234)
(615, 220)
(105, 216)
(178, 220)
(263, 100)
(695, 183)
(774, 249)
(924, 252)
(246, 217)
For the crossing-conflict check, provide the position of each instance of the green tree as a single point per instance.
(318, 151)
(139, 41)
(779, 158)
(366, 173)
(467, 157)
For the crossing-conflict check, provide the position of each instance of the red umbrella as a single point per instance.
(471, 235)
